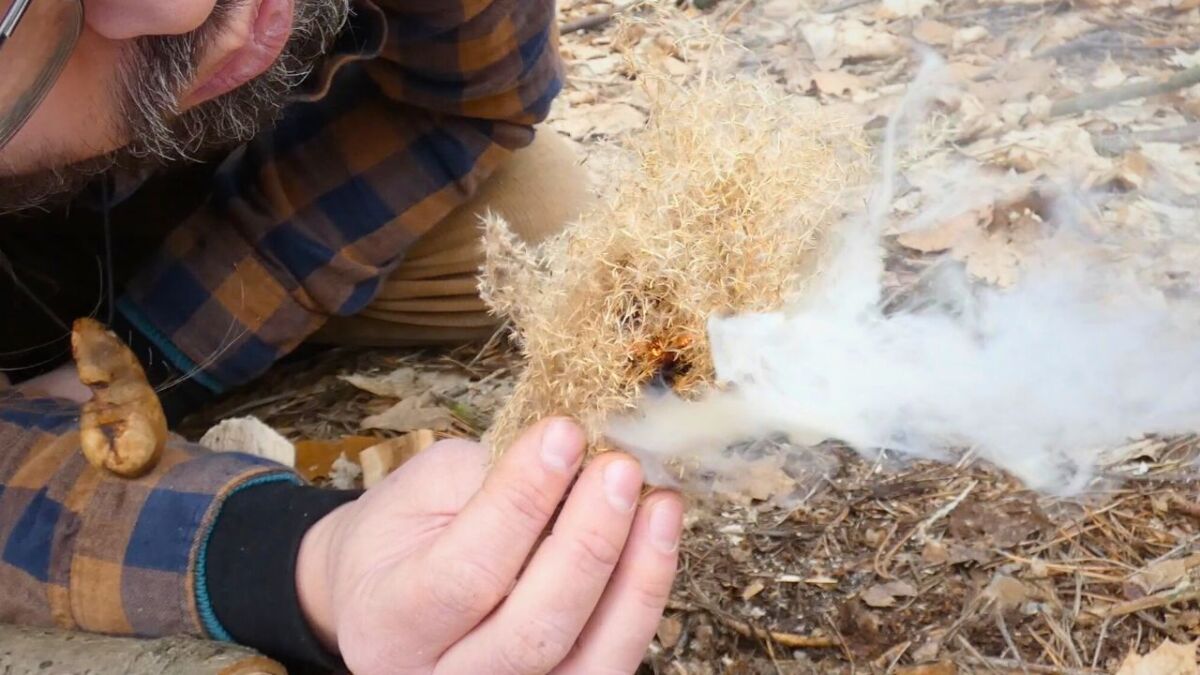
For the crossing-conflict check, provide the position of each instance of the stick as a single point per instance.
(1172, 597)
(744, 629)
(593, 21)
(792, 640)
(588, 22)
(1102, 99)
(31, 650)
(1117, 143)
(1013, 664)
(844, 5)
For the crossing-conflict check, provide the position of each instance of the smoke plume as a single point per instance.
(1092, 345)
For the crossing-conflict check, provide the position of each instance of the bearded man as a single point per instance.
(223, 181)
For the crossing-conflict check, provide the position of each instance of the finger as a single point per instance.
(540, 620)
(620, 630)
(475, 562)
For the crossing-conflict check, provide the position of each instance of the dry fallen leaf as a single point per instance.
(949, 233)
(1108, 74)
(884, 595)
(897, 9)
(1065, 27)
(1161, 575)
(968, 36)
(1006, 593)
(1131, 171)
(1169, 658)
(1184, 59)
(1174, 165)
(763, 479)
(930, 648)
(837, 83)
(406, 381)
(934, 553)
(752, 589)
(602, 120)
(850, 40)
(670, 629)
(411, 414)
(934, 33)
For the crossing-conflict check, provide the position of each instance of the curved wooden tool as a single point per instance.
(123, 428)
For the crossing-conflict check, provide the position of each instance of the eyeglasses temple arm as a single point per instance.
(12, 17)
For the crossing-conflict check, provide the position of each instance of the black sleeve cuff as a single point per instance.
(250, 569)
(184, 395)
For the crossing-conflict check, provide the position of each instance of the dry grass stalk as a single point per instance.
(733, 188)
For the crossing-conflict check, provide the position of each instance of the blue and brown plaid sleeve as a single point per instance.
(302, 224)
(82, 549)
(305, 221)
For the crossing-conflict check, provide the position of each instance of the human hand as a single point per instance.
(440, 569)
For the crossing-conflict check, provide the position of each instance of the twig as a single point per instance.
(1013, 664)
(1100, 642)
(733, 16)
(1002, 10)
(844, 5)
(588, 22)
(1172, 597)
(1002, 626)
(1117, 143)
(593, 21)
(945, 510)
(975, 652)
(1102, 99)
(790, 640)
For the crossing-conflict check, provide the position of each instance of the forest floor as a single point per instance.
(877, 566)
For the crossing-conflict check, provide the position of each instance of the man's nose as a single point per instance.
(126, 19)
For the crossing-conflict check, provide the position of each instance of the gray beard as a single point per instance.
(153, 74)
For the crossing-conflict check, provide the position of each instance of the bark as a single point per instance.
(52, 652)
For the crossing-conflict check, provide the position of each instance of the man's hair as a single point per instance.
(155, 71)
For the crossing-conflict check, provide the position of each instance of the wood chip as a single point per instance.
(380, 460)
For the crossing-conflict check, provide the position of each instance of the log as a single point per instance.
(54, 652)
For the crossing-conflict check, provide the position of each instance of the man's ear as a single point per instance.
(128, 19)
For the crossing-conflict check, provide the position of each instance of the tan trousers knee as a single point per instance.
(432, 297)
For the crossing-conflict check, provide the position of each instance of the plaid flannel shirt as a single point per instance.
(417, 103)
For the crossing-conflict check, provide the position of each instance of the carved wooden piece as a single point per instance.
(122, 428)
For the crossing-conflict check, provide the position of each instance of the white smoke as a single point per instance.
(1080, 354)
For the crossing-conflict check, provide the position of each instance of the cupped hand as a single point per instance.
(448, 568)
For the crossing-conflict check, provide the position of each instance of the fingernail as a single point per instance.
(622, 484)
(561, 446)
(666, 521)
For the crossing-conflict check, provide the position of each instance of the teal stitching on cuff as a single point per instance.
(203, 603)
(168, 348)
